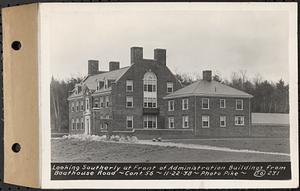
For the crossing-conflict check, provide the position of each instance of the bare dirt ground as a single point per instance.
(72, 150)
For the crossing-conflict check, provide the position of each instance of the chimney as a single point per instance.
(114, 66)
(207, 75)
(93, 67)
(160, 56)
(136, 54)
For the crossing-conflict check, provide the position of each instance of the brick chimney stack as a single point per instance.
(160, 56)
(93, 67)
(136, 54)
(207, 75)
(114, 65)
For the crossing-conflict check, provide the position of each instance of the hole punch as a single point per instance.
(16, 147)
(16, 45)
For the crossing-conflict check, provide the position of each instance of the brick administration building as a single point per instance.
(137, 100)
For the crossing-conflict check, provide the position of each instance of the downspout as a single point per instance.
(195, 118)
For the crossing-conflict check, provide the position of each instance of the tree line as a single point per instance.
(268, 96)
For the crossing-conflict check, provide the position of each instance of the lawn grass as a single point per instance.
(72, 150)
(280, 145)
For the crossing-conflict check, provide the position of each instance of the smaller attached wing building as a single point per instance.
(210, 108)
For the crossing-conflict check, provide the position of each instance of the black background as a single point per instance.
(8, 3)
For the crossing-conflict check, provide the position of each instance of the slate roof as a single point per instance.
(90, 81)
(208, 89)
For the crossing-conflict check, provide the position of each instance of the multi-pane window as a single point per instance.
(77, 124)
(185, 121)
(222, 121)
(105, 84)
(72, 107)
(96, 103)
(82, 123)
(185, 104)
(150, 102)
(87, 104)
(101, 102)
(171, 105)
(73, 124)
(103, 126)
(129, 101)
(129, 121)
(239, 120)
(150, 121)
(150, 93)
(205, 103)
(81, 106)
(169, 87)
(171, 122)
(77, 106)
(107, 101)
(129, 85)
(100, 85)
(150, 82)
(222, 103)
(239, 104)
(205, 121)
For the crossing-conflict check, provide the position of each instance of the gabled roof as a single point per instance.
(91, 83)
(209, 89)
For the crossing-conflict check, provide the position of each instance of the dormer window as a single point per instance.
(106, 84)
(109, 83)
(100, 85)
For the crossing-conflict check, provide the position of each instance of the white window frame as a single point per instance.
(72, 107)
(78, 124)
(73, 124)
(236, 120)
(222, 118)
(150, 79)
(171, 102)
(171, 120)
(147, 117)
(129, 118)
(82, 123)
(129, 83)
(106, 101)
(205, 120)
(101, 102)
(236, 104)
(221, 103)
(184, 119)
(148, 100)
(77, 105)
(87, 104)
(170, 85)
(129, 99)
(183, 104)
(203, 103)
(81, 106)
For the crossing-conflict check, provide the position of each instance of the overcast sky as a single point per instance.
(196, 40)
